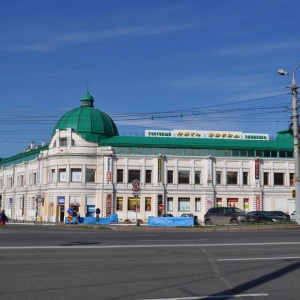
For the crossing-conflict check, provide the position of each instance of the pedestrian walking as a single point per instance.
(4, 218)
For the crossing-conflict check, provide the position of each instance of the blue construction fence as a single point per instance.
(113, 218)
(172, 221)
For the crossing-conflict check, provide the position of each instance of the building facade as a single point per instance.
(87, 165)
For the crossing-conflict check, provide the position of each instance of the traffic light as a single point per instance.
(293, 193)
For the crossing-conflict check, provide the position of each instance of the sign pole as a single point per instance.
(136, 190)
(136, 218)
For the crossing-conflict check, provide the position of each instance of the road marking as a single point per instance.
(226, 296)
(258, 258)
(79, 246)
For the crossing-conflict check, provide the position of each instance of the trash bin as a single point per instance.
(39, 219)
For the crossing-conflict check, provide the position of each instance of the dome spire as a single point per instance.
(87, 100)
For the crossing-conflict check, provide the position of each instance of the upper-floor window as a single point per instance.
(266, 178)
(218, 177)
(197, 177)
(245, 178)
(184, 177)
(278, 178)
(32, 178)
(52, 176)
(134, 174)
(90, 175)
(63, 142)
(148, 176)
(232, 177)
(292, 178)
(62, 175)
(76, 175)
(120, 176)
(170, 176)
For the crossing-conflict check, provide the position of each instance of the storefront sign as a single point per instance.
(257, 202)
(257, 169)
(108, 204)
(108, 173)
(75, 200)
(207, 134)
(61, 200)
(159, 169)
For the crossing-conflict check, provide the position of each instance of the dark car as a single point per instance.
(267, 216)
(167, 215)
(280, 213)
(227, 215)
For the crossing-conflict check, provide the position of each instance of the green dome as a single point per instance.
(90, 123)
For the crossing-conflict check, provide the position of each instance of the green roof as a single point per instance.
(201, 143)
(22, 157)
(92, 124)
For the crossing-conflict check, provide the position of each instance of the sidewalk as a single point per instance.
(145, 227)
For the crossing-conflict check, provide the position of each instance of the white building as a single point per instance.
(87, 165)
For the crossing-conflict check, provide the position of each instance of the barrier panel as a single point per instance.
(113, 218)
(171, 221)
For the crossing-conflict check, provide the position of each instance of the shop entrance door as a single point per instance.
(61, 213)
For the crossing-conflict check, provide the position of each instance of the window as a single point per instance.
(197, 177)
(278, 178)
(119, 203)
(147, 203)
(170, 204)
(62, 175)
(63, 142)
(170, 176)
(120, 176)
(148, 176)
(52, 176)
(183, 204)
(184, 177)
(132, 201)
(198, 204)
(20, 180)
(245, 178)
(266, 178)
(32, 178)
(90, 175)
(218, 177)
(232, 177)
(134, 174)
(292, 178)
(76, 175)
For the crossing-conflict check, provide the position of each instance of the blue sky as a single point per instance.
(158, 64)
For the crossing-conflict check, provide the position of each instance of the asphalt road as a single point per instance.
(48, 262)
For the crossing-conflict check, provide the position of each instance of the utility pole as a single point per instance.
(295, 116)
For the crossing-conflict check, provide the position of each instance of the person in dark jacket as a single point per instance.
(4, 217)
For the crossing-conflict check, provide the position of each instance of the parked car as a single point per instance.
(293, 216)
(280, 213)
(186, 215)
(167, 215)
(267, 216)
(191, 216)
(227, 215)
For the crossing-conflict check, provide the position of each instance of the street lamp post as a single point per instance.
(296, 140)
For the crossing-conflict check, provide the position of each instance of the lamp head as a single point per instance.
(282, 72)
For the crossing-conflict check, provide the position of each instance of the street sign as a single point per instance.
(136, 188)
(70, 211)
(161, 207)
